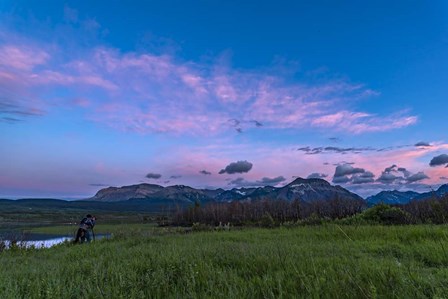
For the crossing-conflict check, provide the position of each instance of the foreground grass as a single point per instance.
(303, 262)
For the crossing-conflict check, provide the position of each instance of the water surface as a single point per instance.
(44, 240)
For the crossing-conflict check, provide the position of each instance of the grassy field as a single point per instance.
(326, 261)
(65, 221)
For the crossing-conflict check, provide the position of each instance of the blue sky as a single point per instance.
(105, 93)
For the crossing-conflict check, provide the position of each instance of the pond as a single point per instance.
(42, 240)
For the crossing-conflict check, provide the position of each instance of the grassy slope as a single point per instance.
(307, 262)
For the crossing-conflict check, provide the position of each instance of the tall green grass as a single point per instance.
(328, 261)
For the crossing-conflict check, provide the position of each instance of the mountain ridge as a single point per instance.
(299, 189)
(139, 196)
(303, 189)
(404, 197)
(392, 197)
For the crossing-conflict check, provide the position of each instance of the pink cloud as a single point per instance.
(358, 122)
(82, 102)
(195, 82)
(22, 58)
(412, 158)
(158, 93)
(275, 161)
(97, 81)
(267, 162)
(332, 120)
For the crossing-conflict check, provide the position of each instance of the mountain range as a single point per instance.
(392, 197)
(158, 198)
(307, 190)
(403, 197)
(300, 189)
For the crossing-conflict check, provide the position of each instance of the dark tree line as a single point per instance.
(433, 210)
(255, 212)
(268, 212)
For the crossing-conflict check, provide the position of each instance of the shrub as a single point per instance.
(314, 219)
(356, 220)
(386, 214)
(267, 221)
(199, 227)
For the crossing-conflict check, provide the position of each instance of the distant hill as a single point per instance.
(309, 190)
(392, 197)
(178, 194)
(441, 191)
(111, 194)
(401, 198)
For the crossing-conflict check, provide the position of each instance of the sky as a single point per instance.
(222, 94)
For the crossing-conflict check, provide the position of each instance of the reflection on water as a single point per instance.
(47, 243)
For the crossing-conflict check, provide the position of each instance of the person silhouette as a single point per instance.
(85, 226)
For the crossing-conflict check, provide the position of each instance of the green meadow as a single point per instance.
(325, 261)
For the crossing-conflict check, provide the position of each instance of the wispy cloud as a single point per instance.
(147, 92)
(332, 149)
(359, 122)
(22, 58)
